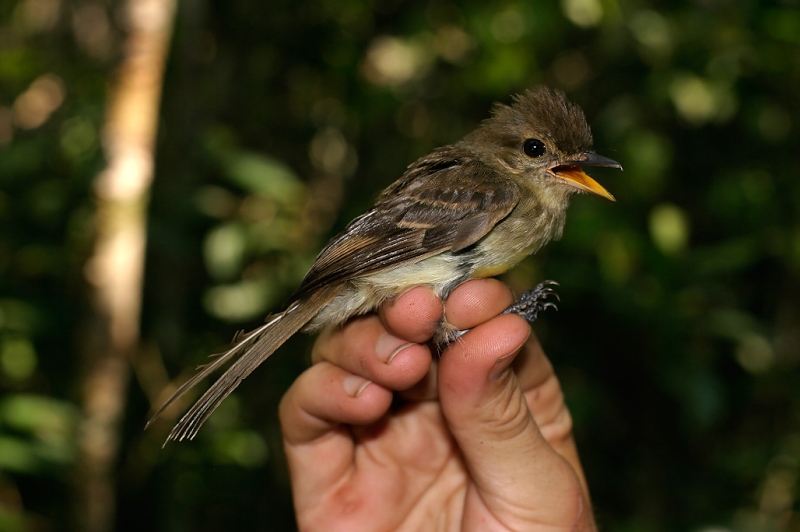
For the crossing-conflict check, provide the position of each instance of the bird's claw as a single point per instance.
(532, 302)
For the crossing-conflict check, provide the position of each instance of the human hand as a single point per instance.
(381, 435)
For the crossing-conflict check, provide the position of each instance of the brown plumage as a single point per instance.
(473, 209)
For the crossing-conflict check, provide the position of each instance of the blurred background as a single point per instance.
(168, 171)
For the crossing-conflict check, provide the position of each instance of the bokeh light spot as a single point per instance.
(33, 107)
(508, 26)
(699, 101)
(583, 13)
(240, 301)
(78, 138)
(653, 31)
(224, 249)
(669, 228)
(754, 353)
(393, 61)
(18, 358)
(453, 44)
(244, 448)
(35, 16)
(331, 153)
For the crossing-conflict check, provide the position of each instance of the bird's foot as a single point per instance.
(532, 302)
(528, 306)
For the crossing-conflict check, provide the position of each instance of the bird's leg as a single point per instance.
(528, 306)
(446, 333)
(532, 302)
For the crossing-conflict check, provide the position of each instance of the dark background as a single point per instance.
(677, 340)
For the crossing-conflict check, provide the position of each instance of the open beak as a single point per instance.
(574, 175)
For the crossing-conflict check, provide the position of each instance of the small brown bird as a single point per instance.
(470, 210)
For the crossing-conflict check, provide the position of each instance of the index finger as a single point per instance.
(389, 352)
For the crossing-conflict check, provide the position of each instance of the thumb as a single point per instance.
(517, 477)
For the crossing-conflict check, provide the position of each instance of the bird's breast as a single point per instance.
(521, 234)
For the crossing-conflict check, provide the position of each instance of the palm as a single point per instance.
(406, 471)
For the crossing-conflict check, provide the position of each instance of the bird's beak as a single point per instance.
(574, 175)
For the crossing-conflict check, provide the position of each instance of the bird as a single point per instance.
(468, 210)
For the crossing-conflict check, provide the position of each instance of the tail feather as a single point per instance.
(251, 349)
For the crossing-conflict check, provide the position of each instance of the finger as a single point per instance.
(426, 389)
(545, 399)
(509, 458)
(470, 304)
(314, 413)
(477, 301)
(413, 315)
(364, 347)
(480, 300)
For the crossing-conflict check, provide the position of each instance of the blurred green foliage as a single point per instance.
(678, 337)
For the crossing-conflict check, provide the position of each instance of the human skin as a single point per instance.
(381, 434)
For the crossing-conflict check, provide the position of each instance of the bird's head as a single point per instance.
(543, 139)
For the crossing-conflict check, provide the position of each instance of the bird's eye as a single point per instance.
(533, 147)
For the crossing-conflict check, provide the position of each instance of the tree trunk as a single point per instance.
(115, 270)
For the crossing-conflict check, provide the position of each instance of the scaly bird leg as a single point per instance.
(532, 302)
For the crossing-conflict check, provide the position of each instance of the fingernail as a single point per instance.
(354, 385)
(388, 346)
(501, 366)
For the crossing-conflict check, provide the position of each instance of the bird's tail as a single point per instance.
(251, 349)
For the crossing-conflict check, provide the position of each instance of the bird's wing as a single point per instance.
(445, 201)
